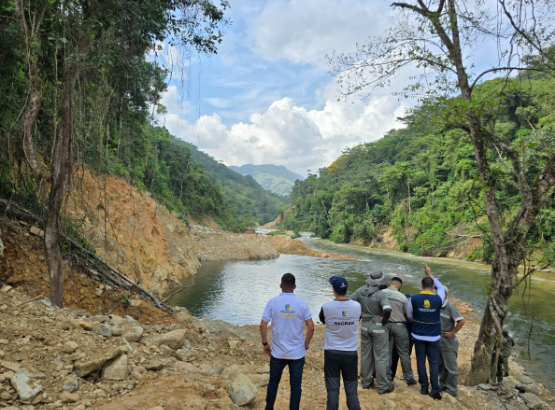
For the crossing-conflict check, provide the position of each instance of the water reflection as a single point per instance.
(237, 291)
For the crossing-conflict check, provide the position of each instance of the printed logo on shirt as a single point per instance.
(287, 312)
(427, 304)
(344, 313)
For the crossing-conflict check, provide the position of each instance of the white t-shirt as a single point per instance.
(287, 313)
(341, 318)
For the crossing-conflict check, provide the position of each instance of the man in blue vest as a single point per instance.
(424, 309)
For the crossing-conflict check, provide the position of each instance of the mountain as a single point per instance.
(243, 196)
(274, 178)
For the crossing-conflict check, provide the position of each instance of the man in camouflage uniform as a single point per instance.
(451, 322)
(507, 344)
(374, 335)
(398, 335)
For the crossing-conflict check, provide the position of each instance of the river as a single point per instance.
(237, 291)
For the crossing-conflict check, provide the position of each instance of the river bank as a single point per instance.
(67, 359)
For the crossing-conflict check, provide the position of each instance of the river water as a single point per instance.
(237, 291)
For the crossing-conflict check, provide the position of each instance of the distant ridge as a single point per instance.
(243, 195)
(274, 178)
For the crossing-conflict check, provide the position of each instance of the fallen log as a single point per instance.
(105, 270)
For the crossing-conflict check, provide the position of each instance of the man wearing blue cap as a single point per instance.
(341, 317)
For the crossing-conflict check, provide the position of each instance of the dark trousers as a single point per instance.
(338, 363)
(429, 350)
(395, 356)
(295, 381)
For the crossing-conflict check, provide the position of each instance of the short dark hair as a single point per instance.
(288, 282)
(427, 283)
(341, 292)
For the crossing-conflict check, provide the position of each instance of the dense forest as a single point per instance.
(422, 180)
(109, 49)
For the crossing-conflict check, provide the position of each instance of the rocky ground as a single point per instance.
(213, 244)
(68, 359)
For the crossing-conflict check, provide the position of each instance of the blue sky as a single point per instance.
(267, 96)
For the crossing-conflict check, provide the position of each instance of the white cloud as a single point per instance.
(304, 31)
(174, 102)
(289, 135)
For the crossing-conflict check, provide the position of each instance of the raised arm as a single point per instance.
(439, 287)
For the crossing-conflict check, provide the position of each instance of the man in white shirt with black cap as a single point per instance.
(288, 314)
(341, 317)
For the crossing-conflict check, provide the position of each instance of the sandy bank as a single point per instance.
(212, 244)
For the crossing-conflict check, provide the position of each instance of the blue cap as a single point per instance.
(339, 283)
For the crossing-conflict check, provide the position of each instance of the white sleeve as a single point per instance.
(440, 290)
(306, 312)
(409, 309)
(267, 315)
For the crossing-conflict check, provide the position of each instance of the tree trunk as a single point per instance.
(484, 363)
(60, 173)
(28, 120)
(29, 32)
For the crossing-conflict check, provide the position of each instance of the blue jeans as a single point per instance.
(295, 380)
(430, 350)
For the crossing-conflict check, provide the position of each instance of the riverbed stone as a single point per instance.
(70, 383)
(241, 390)
(102, 329)
(533, 388)
(526, 380)
(27, 388)
(86, 366)
(509, 382)
(183, 354)
(132, 332)
(173, 339)
(116, 370)
(532, 401)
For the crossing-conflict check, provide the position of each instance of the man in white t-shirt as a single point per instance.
(341, 317)
(288, 314)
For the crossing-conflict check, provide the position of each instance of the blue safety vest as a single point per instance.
(426, 309)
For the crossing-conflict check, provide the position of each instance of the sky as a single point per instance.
(267, 97)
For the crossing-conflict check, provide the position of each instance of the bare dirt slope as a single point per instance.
(134, 234)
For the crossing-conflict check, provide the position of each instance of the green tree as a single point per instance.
(437, 35)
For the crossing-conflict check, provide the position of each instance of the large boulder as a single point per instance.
(116, 370)
(27, 388)
(84, 367)
(173, 339)
(131, 332)
(532, 401)
(241, 390)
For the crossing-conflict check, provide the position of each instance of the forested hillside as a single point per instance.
(246, 201)
(274, 178)
(422, 180)
(78, 88)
